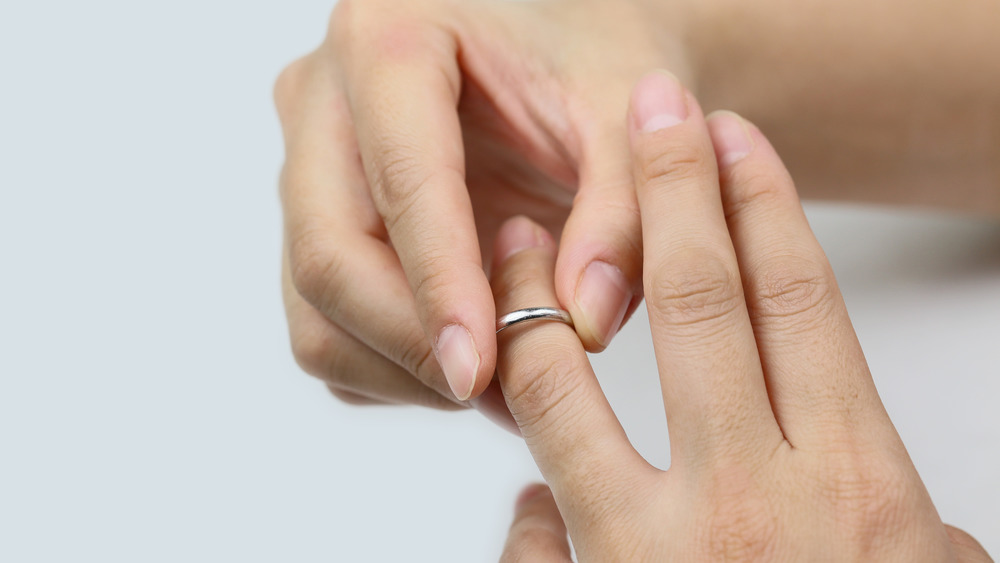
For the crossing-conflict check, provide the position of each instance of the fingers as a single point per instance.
(710, 373)
(538, 534)
(354, 372)
(352, 398)
(816, 372)
(403, 86)
(572, 433)
(599, 269)
(333, 232)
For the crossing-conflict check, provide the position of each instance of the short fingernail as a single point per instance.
(603, 296)
(459, 360)
(659, 102)
(519, 234)
(530, 492)
(731, 137)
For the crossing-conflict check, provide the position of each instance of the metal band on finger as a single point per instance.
(534, 314)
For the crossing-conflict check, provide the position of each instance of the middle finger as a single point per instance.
(712, 382)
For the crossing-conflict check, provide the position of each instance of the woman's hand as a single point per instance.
(780, 446)
(411, 133)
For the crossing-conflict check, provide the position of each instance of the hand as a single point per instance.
(780, 446)
(411, 133)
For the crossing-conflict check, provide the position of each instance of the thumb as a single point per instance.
(538, 533)
(599, 269)
(967, 548)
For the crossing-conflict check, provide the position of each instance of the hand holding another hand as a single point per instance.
(411, 133)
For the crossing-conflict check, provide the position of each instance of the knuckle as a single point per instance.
(387, 27)
(791, 287)
(511, 284)
(543, 381)
(417, 357)
(675, 160)
(742, 521)
(693, 287)
(867, 495)
(399, 178)
(311, 348)
(753, 191)
(402, 181)
(436, 274)
(317, 268)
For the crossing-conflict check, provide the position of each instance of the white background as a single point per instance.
(150, 409)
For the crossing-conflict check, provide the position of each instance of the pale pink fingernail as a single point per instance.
(456, 353)
(519, 234)
(603, 296)
(731, 137)
(659, 102)
(528, 494)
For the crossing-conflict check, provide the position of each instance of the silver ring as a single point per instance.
(533, 314)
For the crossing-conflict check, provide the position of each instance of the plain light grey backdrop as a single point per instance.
(150, 409)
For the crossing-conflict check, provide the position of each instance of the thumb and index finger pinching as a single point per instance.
(403, 104)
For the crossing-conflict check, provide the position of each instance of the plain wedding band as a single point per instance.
(534, 314)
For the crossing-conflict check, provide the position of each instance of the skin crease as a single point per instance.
(524, 103)
(903, 113)
(535, 90)
(813, 472)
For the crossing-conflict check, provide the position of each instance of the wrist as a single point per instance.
(712, 35)
(685, 32)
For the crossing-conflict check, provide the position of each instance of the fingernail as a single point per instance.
(659, 102)
(530, 492)
(457, 355)
(731, 137)
(519, 234)
(603, 295)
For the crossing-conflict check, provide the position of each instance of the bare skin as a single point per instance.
(780, 447)
(418, 127)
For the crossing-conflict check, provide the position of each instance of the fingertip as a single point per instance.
(456, 352)
(732, 137)
(538, 532)
(599, 268)
(530, 494)
(602, 296)
(744, 154)
(517, 234)
(658, 101)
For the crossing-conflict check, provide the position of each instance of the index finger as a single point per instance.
(403, 87)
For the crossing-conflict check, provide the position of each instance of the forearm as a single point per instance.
(892, 101)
